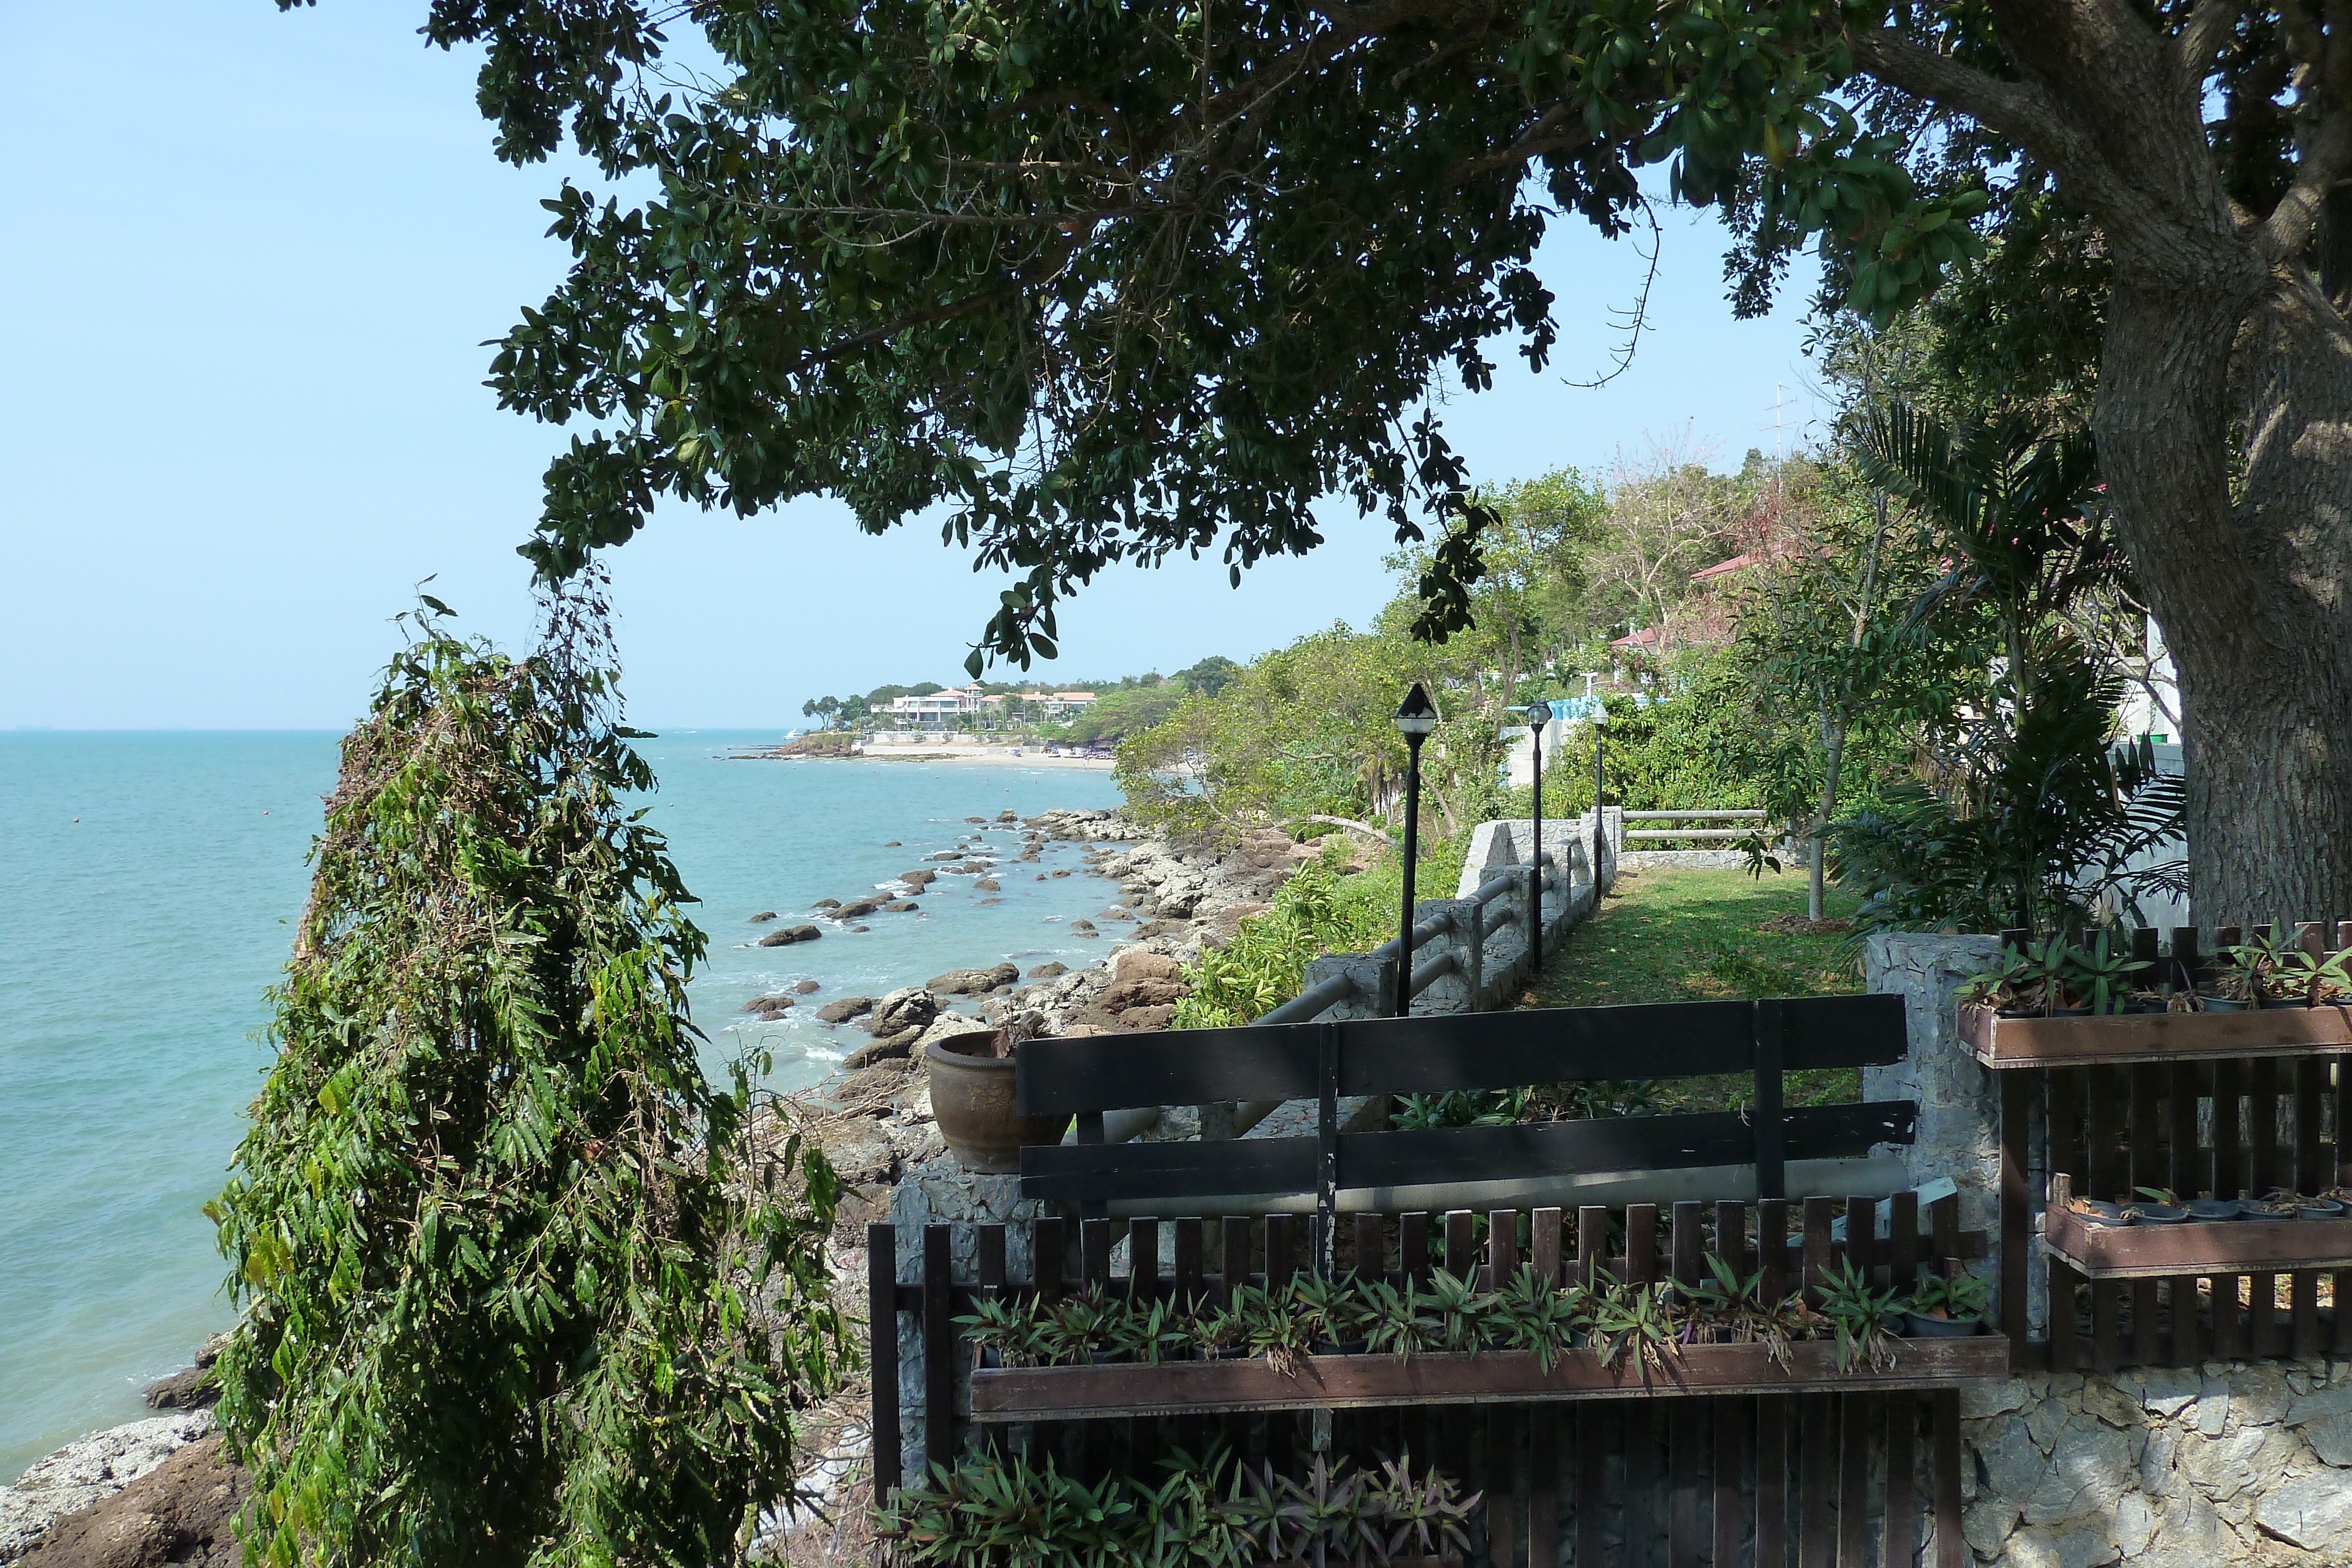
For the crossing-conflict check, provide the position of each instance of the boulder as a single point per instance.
(901, 907)
(1047, 971)
(972, 868)
(191, 1388)
(786, 937)
(763, 917)
(888, 1050)
(986, 884)
(946, 856)
(826, 904)
(892, 844)
(860, 1151)
(1140, 1018)
(1062, 871)
(806, 989)
(766, 1006)
(845, 1009)
(1128, 995)
(1087, 925)
(184, 1510)
(981, 819)
(961, 983)
(919, 879)
(949, 1026)
(872, 1088)
(858, 911)
(1008, 815)
(910, 1006)
(1139, 964)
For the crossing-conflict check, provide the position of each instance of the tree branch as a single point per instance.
(2207, 30)
(2017, 110)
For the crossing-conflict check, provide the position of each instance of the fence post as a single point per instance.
(1771, 1133)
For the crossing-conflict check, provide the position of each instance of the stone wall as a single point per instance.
(2230, 1463)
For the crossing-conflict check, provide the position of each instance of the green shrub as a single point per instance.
(1318, 911)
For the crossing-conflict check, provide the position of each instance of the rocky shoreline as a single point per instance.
(156, 1491)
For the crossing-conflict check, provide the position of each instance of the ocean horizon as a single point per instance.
(137, 944)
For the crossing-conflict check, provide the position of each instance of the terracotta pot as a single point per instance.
(971, 1096)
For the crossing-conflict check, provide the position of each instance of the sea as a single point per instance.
(149, 886)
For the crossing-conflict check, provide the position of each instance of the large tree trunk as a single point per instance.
(2254, 597)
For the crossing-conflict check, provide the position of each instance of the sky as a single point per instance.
(253, 259)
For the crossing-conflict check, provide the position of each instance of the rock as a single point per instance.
(1128, 994)
(1008, 815)
(1047, 971)
(2090, 1469)
(181, 1512)
(776, 1004)
(988, 884)
(1082, 925)
(918, 880)
(845, 1009)
(961, 983)
(763, 917)
(949, 1026)
(826, 904)
(2331, 1439)
(786, 937)
(947, 855)
(1062, 871)
(873, 1088)
(1140, 1018)
(87, 1472)
(861, 1152)
(1141, 964)
(901, 906)
(807, 988)
(972, 868)
(2313, 1512)
(892, 844)
(192, 1388)
(895, 1047)
(858, 911)
(981, 819)
(910, 1006)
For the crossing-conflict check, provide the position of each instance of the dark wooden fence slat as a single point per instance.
(1591, 1483)
(1641, 1243)
(1944, 1224)
(1772, 1412)
(1773, 1247)
(1592, 1241)
(2303, 1286)
(2107, 1340)
(1683, 1444)
(1689, 1242)
(1544, 1236)
(882, 1353)
(1771, 1116)
(1371, 1255)
(1540, 1045)
(2016, 1211)
(1903, 1240)
(2262, 1113)
(2342, 1070)
(1281, 1249)
(1543, 1478)
(1094, 1251)
(1502, 1246)
(1734, 1418)
(2106, 1100)
(2311, 1173)
(1819, 1212)
(1817, 1468)
(1461, 1249)
(2063, 1351)
(2147, 1323)
(1152, 1172)
(2229, 1178)
(2147, 1153)
(2068, 1147)
(1143, 1258)
(1731, 1238)
(1498, 1436)
(2340, 1336)
(2187, 1340)
(940, 1341)
(1901, 1548)
(1413, 1245)
(2229, 1321)
(1234, 1255)
(1643, 1441)
(1046, 1252)
(1861, 1235)
(1105, 1072)
(1188, 1246)
(1951, 1547)
(1858, 1414)
(2189, 1174)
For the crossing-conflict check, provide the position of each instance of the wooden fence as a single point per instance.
(2200, 1105)
(1723, 1458)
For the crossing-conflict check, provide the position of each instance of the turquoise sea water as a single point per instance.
(136, 942)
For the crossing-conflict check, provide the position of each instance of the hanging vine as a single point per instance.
(519, 1285)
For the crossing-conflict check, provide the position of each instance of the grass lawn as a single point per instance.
(1697, 936)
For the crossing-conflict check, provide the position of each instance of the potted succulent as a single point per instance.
(2029, 982)
(2101, 975)
(2158, 1206)
(1947, 1306)
(2316, 978)
(1864, 1316)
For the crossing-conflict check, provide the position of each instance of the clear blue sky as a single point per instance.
(251, 262)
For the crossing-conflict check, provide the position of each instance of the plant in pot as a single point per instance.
(2316, 978)
(1006, 1332)
(1947, 1306)
(1402, 1323)
(2101, 975)
(1632, 1323)
(1080, 1327)
(1332, 1312)
(1271, 1329)
(1463, 1312)
(1150, 1335)
(1426, 1517)
(2255, 977)
(1220, 1335)
(1529, 1315)
(2159, 1205)
(1864, 1317)
(2011, 988)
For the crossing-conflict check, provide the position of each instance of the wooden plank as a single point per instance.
(1772, 1414)
(2233, 1245)
(1861, 1235)
(2190, 1173)
(1543, 1486)
(1817, 1462)
(2229, 1319)
(1689, 1242)
(1544, 1236)
(1179, 1171)
(1731, 1238)
(2188, 1338)
(2183, 972)
(1771, 1116)
(1106, 1073)
(1413, 1245)
(2229, 1180)
(1641, 1243)
(1772, 1248)
(1951, 1547)
(942, 1347)
(1903, 1241)
(1684, 1443)
(1234, 1250)
(2144, 1141)
(2063, 1119)
(1592, 1241)
(2004, 1043)
(2016, 1213)
(2106, 1344)
(2262, 1118)
(2313, 1173)
(2106, 1102)
(1866, 1031)
(1819, 1212)
(1094, 1251)
(1642, 1502)
(1901, 1549)
(1461, 1243)
(1189, 1293)
(1343, 1382)
(1046, 1247)
(1944, 1221)
(2340, 1337)
(2342, 1074)
(2303, 1287)
(1498, 1436)
(1371, 1249)
(1734, 1420)
(1143, 1260)
(1533, 1045)
(1592, 1427)
(1857, 1414)
(2147, 1345)
(2064, 1345)
(882, 1354)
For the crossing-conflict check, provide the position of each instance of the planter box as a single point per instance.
(1344, 1382)
(2000, 1042)
(2191, 1247)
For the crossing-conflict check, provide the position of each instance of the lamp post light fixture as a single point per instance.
(1414, 719)
(1537, 714)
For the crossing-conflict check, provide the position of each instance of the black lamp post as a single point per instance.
(1537, 714)
(1414, 720)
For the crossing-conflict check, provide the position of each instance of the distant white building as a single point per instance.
(1059, 704)
(955, 702)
